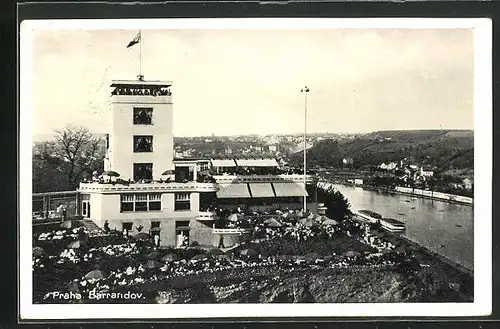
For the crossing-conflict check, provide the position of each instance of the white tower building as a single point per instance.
(140, 144)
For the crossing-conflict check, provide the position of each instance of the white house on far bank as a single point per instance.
(426, 171)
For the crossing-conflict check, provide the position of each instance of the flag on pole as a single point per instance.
(135, 40)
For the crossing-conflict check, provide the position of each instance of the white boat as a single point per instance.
(392, 225)
(370, 216)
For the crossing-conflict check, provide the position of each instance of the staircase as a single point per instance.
(92, 227)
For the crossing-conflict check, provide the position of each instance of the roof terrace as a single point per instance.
(141, 88)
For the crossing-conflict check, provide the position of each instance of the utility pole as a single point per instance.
(305, 90)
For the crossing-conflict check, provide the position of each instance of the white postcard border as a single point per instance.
(482, 162)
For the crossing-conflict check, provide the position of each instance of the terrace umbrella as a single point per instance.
(215, 252)
(111, 173)
(271, 222)
(205, 172)
(153, 255)
(70, 224)
(153, 263)
(352, 253)
(96, 274)
(77, 244)
(142, 236)
(330, 222)
(234, 217)
(200, 257)
(170, 258)
(38, 251)
(248, 252)
(307, 223)
(322, 218)
(313, 255)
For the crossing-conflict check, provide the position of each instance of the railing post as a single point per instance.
(45, 208)
(78, 207)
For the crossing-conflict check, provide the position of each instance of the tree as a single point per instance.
(78, 152)
(335, 202)
(46, 177)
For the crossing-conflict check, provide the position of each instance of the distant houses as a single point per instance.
(390, 166)
(468, 184)
(348, 161)
(426, 171)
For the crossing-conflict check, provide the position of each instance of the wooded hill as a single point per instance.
(442, 149)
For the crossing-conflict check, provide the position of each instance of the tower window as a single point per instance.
(143, 171)
(143, 144)
(143, 116)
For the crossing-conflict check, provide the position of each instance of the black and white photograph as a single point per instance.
(200, 168)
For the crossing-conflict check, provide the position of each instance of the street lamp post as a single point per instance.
(305, 90)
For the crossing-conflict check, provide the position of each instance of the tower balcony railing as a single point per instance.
(100, 187)
(143, 91)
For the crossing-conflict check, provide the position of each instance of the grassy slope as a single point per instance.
(444, 149)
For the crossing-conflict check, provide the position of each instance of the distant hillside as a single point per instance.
(444, 149)
(418, 135)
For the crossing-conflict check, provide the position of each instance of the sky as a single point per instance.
(248, 81)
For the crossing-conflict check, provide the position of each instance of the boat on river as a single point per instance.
(388, 224)
(392, 225)
(370, 216)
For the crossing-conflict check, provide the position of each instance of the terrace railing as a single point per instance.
(154, 186)
(231, 230)
(264, 178)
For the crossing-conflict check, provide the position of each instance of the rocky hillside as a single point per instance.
(272, 285)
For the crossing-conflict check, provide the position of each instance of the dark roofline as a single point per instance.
(191, 159)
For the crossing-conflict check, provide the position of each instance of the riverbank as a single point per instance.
(422, 251)
(432, 195)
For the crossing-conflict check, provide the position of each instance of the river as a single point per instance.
(445, 228)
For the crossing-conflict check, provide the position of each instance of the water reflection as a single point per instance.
(445, 228)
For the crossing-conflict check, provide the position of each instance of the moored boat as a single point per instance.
(392, 225)
(369, 215)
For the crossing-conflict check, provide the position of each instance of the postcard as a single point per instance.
(220, 168)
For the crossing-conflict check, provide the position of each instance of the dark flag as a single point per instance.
(137, 39)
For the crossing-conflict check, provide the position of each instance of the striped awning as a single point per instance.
(233, 191)
(289, 189)
(261, 190)
(223, 163)
(257, 162)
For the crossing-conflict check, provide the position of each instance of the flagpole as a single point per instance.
(140, 54)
